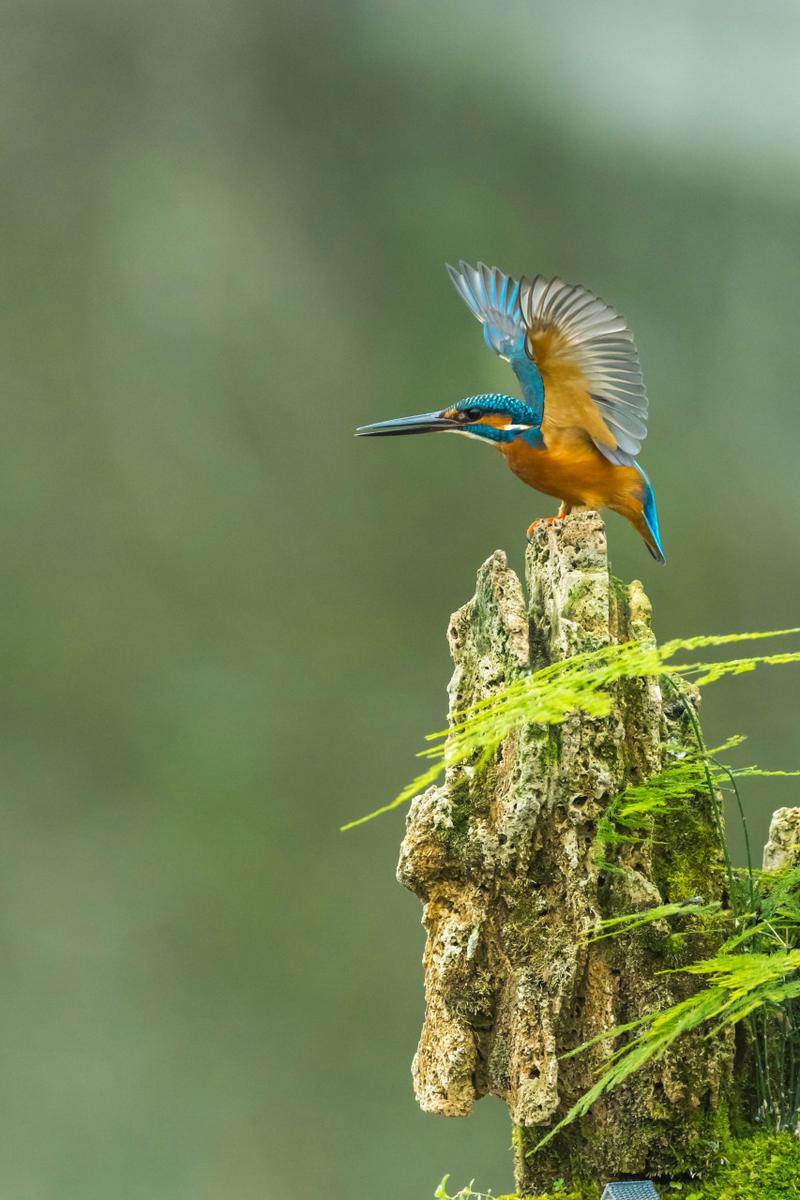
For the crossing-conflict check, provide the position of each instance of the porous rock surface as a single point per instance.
(783, 841)
(504, 857)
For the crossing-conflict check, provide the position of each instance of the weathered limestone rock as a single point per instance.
(783, 841)
(505, 860)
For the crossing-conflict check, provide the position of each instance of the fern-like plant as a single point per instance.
(577, 684)
(755, 977)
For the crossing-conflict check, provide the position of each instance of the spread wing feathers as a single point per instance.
(596, 339)
(494, 299)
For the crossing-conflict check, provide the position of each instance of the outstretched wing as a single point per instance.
(569, 327)
(494, 299)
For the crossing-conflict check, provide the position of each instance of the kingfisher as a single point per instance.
(577, 431)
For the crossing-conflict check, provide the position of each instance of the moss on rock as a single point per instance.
(761, 1167)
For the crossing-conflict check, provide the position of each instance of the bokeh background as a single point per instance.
(223, 230)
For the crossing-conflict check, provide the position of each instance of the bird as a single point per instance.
(577, 430)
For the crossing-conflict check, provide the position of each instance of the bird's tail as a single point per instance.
(649, 527)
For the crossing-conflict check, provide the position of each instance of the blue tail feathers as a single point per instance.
(651, 518)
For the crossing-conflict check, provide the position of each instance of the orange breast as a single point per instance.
(574, 470)
(569, 465)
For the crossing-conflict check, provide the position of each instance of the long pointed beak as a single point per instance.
(423, 423)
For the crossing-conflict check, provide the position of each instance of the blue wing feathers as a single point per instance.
(530, 381)
(600, 341)
(602, 344)
(493, 297)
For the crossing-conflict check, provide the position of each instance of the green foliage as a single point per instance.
(467, 1193)
(578, 684)
(755, 976)
(630, 817)
(763, 1167)
(614, 926)
(559, 1191)
(738, 985)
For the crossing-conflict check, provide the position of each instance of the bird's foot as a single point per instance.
(543, 521)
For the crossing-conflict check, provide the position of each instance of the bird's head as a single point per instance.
(492, 417)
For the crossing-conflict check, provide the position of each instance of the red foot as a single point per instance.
(543, 521)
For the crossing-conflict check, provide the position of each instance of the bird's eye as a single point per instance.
(471, 414)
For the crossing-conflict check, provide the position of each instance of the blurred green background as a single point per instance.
(223, 230)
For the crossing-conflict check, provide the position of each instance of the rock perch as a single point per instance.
(504, 858)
